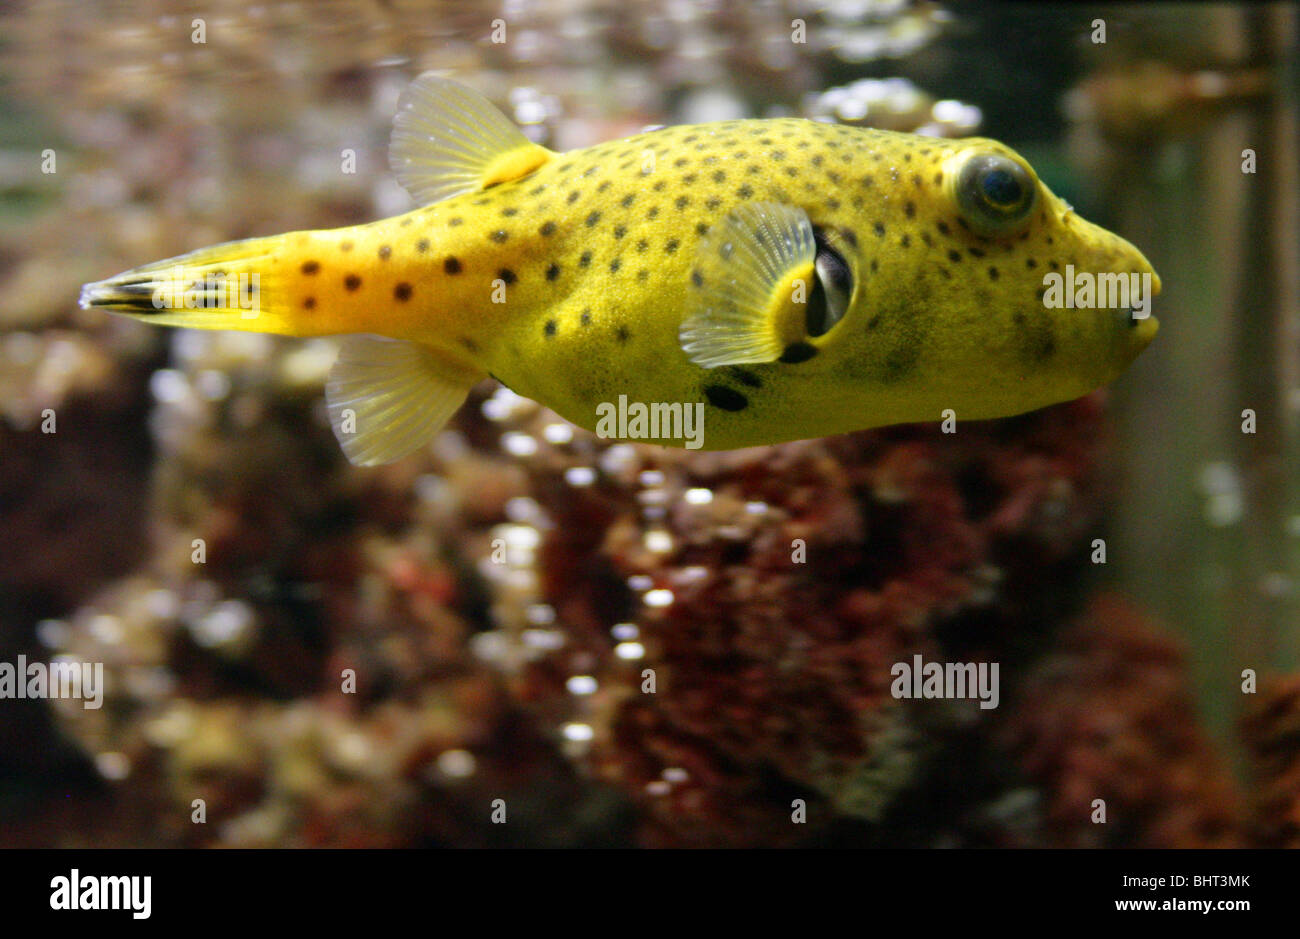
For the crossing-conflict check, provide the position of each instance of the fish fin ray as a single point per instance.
(448, 139)
(744, 305)
(399, 394)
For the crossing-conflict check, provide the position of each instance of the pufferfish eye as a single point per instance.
(996, 195)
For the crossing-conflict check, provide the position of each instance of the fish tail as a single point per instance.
(238, 285)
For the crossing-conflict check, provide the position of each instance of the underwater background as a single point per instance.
(611, 637)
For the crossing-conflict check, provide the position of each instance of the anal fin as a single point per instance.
(387, 398)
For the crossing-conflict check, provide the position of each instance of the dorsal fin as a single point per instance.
(449, 139)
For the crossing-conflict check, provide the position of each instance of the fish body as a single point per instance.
(792, 278)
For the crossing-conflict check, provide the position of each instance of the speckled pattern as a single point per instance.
(570, 283)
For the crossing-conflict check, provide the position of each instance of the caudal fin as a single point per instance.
(234, 285)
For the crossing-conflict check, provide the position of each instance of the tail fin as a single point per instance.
(227, 286)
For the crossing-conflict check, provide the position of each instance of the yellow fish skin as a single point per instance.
(792, 278)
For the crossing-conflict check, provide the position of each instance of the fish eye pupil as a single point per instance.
(995, 194)
(1000, 187)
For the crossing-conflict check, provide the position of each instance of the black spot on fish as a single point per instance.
(728, 399)
(507, 275)
(549, 329)
(943, 228)
(509, 212)
(352, 282)
(954, 256)
(1030, 262)
(905, 241)
(910, 210)
(620, 231)
(592, 218)
(701, 228)
(553, 272)
(454, 221)
(745, 377)
(744, 192)
(309, 303)
(310, 267)
(402, 291)
(879, 229)
(798, 352)
(627, 200)
(993, 273)
(469, 343)
(712, 203)
(614, 265)
(499, 235)
(385, 252)
(422, 245)
(573, 197)
(850, 237)
(682, 201)
(603, 186)
(642, 245)
(345, 246)
(451, 265)
(697, 278)
(719, 176)
(584, 259)
(621, 334)
(671, 245)
(585, 318)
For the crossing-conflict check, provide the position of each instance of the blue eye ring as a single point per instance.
(996, 195)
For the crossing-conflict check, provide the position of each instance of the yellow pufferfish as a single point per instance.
(793, 278)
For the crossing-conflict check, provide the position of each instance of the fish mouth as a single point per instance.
(1138, 321)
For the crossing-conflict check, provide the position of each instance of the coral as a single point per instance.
(1107, 714)
(1272, 735)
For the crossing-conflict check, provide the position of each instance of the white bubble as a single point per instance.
(169, 386)
(699, 496)
(625, 631)
(580, 476)
(113, 766)
(658, 541)
(223, 624)
(659, 598)
(629, 651)
(52, 633)
(518, 444)
(557, 433)
(107, 629)
(578, 732)
(540, 614)
(581, 685)
(456, 764)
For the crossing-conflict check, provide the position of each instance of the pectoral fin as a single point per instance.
(387, 398)
(448, 139)
(753, 277)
